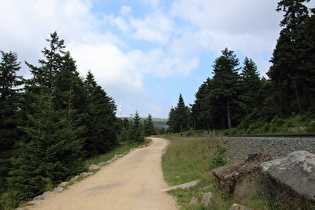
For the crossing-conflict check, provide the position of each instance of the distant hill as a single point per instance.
(160, 125)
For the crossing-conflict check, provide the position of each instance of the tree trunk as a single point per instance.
(280, 96)
(297, 95)
(228, 114)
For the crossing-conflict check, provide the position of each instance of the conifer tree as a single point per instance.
(10, 99)
(100, 119)
(308, 66)
(179, 117)
(225, 83)
(148, 126)
(171, 120)
(52, 154)
(250, 85)
(52, 142)
(202, 109)
(286, 72)
(136, 129)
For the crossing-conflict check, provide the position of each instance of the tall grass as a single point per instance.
(189, 159)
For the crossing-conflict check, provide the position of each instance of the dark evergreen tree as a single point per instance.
(52, 142)
(249, 87)
(136, 129)
(123, 129)
(268, 103)
(202, 109)
(308, 64)
(67, 81)
(10, 90)
(179, 117)
(10, 99)
(225, 87)
(100, 120)
(44, 75)
(287, 71)
(53, 151)
(10, 96)
(171, 121)
(148, 126)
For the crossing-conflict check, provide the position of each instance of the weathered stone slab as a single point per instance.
(239, 207)
(182, 186)
(86, 174)
(94, 167)
(63, 184)
(296, 172)
(43, 196)
(58, 189)
(207, 199)
(241, 178)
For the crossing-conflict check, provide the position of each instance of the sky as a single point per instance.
(143, 53)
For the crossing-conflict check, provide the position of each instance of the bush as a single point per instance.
(218, 159)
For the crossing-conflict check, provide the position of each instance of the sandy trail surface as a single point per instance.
(134, 181)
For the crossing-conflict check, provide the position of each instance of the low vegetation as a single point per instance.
(299, 123)
(193, 158)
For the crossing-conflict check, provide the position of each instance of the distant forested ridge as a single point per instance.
(236, 96)
(52, 122)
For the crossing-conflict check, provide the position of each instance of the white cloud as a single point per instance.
(246, 26)
(161, 64)
(154, 28)
(153, 3)
(110, 65)
(125, 10)
(29, 22)
(240, 16)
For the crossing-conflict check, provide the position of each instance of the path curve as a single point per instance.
(132, 182)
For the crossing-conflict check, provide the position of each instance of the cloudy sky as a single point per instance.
(144, 53)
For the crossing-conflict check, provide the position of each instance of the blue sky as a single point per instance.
(144, 53)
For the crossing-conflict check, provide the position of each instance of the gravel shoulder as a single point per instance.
(277, 147)
(134, 181)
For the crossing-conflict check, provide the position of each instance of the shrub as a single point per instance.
(218, 159)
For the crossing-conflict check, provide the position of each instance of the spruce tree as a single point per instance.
(171, 120)
(136, 129)
(10, 99)
(249, 87)
(287, 71)
(148, 126)
(202, 110)
(226, 84)
(100, 119)
(179, 117)
(308, 66)
(52, 144)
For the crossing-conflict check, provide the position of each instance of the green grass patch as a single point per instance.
(189, 159)
(297, 123)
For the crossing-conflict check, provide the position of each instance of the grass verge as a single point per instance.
(189, 159)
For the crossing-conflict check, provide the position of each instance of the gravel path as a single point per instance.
(240, 147)
(134, 181)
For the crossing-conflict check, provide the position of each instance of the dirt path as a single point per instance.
(134, 181)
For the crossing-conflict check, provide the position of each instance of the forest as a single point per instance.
(54, 121)
(236, 99)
